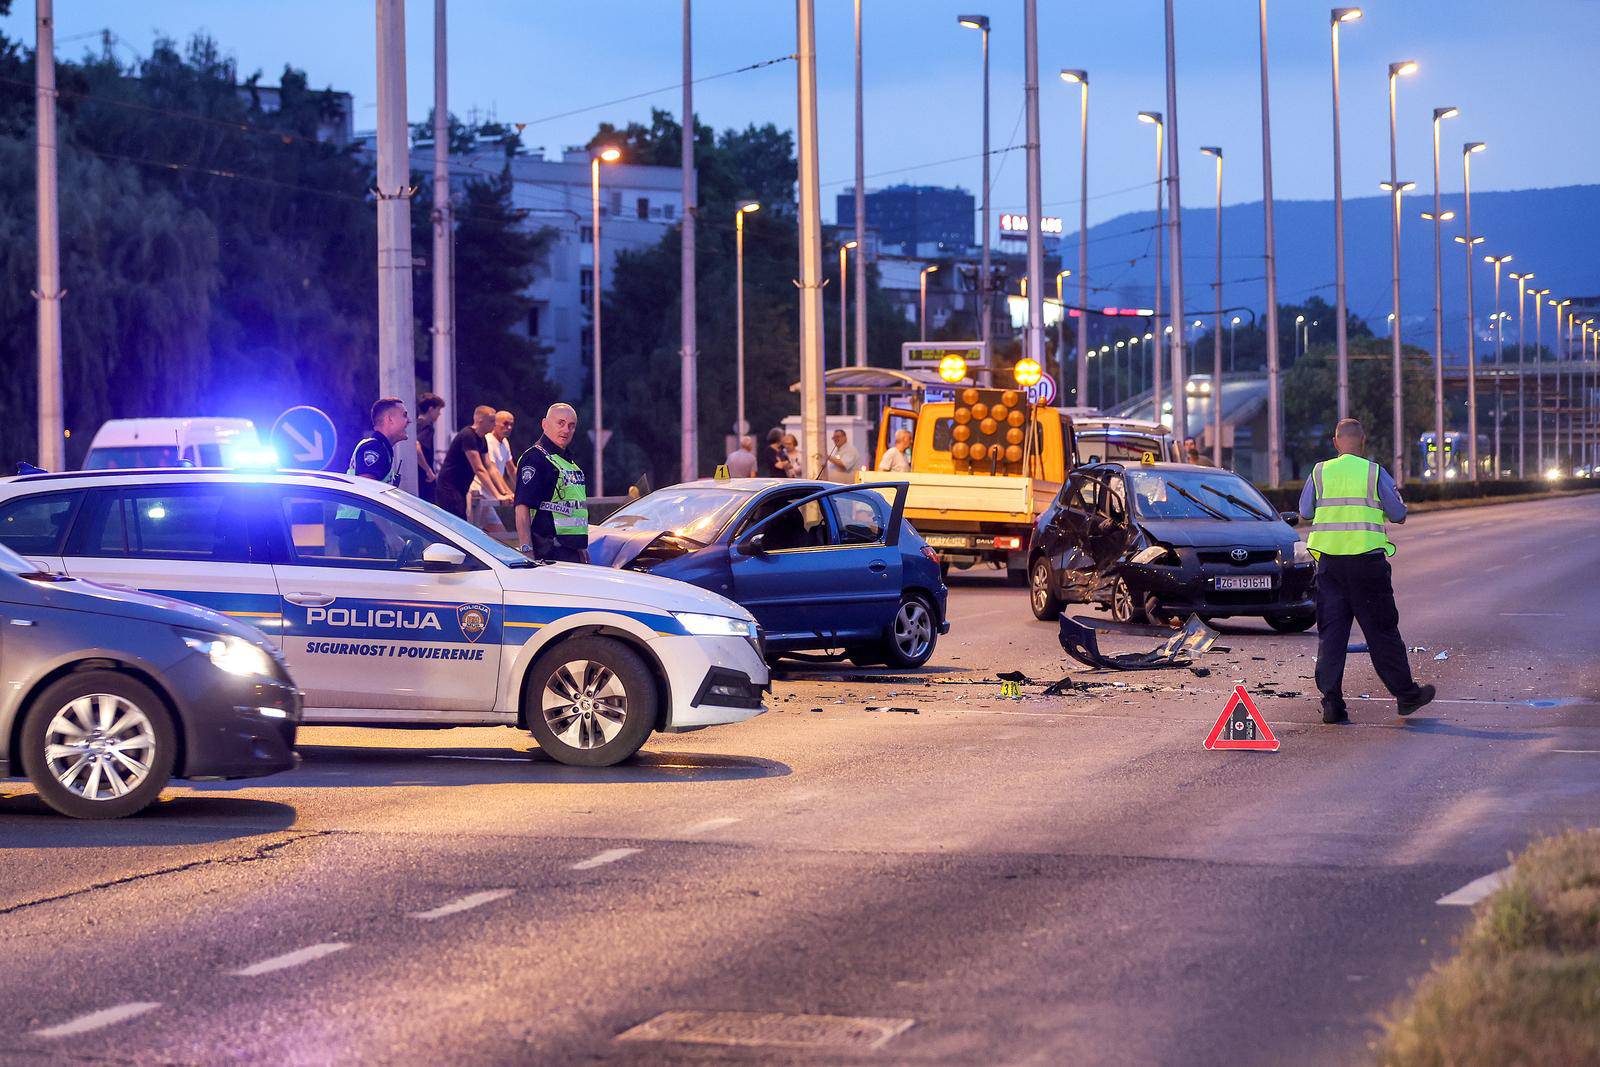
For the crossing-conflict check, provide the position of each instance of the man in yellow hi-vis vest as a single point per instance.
(1347, 500)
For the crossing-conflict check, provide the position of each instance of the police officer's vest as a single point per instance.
(1348, 520)
(345, 511)
(569, 504)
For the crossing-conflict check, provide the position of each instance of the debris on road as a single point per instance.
(1179, 650)
(1014, 676)
(902, 711)
(1200, 672)
(1442, 655)
(1064, 684)
(1418, 648)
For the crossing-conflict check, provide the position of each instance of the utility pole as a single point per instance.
(689, 413)
(813, 400)
(1274, 400)
(1030, 28)
(861, 220)
(52, 421)
(397, 370)
(444, 266)
(1340, 16)
(1180, 377)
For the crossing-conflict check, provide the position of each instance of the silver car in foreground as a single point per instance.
(106, 694)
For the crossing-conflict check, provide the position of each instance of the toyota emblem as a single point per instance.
(1239, 555)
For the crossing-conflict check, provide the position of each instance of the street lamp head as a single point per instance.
(1346, 14)
(1497, 260)
(1211, 150)
(1236, 320)
(747, 206)
(1075, 77)
(1390, 187)
(1562, 304)
(1462, 240)
(1298, 319)
(1120, 344)
(1149, 337)
(974, 22)
(1403, 68)
(1445, 113)
(608, 154)
(930, 269)
(1472, 146)
(847, 244)
(1444, 216)
(1152, 117)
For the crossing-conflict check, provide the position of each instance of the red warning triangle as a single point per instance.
(1241, 726)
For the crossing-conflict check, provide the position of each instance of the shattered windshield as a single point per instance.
(699, 514)
(1202, 493)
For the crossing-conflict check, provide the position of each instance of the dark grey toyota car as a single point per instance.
(106, 693)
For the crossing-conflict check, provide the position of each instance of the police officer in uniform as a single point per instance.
(1347, 500)
(551, 495)
(375, 456)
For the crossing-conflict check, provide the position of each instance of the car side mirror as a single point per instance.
(442, 557)
(1290, 517)
(754, 545)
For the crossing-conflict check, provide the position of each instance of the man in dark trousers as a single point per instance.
(552, 496)
(463, 461)
(429, 407)
(1347, 500)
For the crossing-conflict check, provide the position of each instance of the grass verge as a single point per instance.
(1525, 985)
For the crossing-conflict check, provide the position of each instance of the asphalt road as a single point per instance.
(1052, 880)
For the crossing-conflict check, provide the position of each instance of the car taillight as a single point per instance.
(933, 557)
(1012, 543)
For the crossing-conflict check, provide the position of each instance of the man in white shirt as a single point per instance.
(497, 466)
(843, 460)
(741, 462)
(897, 460)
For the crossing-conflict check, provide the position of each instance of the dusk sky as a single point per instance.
(1510, 68)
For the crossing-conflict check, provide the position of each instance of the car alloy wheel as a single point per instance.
(1043, 602)
(99, 747)
(1123, 606)
(913, 629)
(585, 704)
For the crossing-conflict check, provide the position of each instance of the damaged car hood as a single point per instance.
(610, 546)
(1216, 533)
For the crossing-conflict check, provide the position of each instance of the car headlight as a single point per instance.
(1300, 554)
(1155, 554)
(713, 625)
(232, 654)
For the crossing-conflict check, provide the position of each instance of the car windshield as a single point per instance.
(465, 530)
(1196, 494)
(689, 512)
(1095, 446)
(131, 457)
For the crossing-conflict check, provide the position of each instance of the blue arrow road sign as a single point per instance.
(304, 437)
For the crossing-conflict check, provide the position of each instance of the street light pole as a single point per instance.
(1153, 118)
(397, 369)
(51, 416)
(689, 371)
(596, 274)
(844, 302)
(981, 24)
(1395, 188)
(444, 341)
(1499, 348)
(1274, 398)
(861, 218)
(1555, 426)
(1538, 382)
(1299, 335)
(922, 300)
(1081, 77)
(1340, 16)
(1061, 338)
(740, 427)
(1522, 372)
(1467, 152)
(1438, 217)
(1232, 326)
(813, 383)
(1180, 375)
(1216, 325)
(1030, 94)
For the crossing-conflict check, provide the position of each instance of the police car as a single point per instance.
(390, 611)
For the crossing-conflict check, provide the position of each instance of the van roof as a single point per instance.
(167, 430)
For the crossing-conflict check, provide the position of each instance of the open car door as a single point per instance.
(825, 566)
(894, 420)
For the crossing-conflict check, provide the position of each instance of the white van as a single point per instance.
(123, 444)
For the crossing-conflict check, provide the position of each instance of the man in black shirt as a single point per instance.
(374, 455)
(429, 407)
(463, 461)
(552, 497)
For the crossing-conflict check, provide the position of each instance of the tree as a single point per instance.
(1310, 401)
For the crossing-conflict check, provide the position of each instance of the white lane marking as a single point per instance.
(610, 855)
(98, 1019)
(1532, 614)
(711, 824)
(1476, 889)
(487, 759)
(291, 959)
(1578, 751)
(466, 903)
